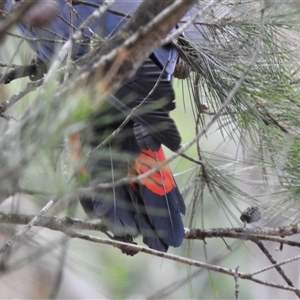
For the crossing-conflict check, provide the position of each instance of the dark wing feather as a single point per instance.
(162, 202)
(153, 206)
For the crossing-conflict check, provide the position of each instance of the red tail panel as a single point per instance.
(161, 182)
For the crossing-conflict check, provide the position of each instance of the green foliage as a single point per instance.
(248, 156)
(263, 116)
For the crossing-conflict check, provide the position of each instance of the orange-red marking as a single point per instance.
(160, 182)
(76, 151)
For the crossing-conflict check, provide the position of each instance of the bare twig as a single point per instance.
(53, 223)
(19, 235)
(170, 38)
(129, 50)
(236, 287)
(127, 119)
(278, 268)
(184, 148)
(253, 234)
(277, 264)
(174, 286)
(67, 225)
(15, 16)
(180, 259)
(75, 36)
(31, 86)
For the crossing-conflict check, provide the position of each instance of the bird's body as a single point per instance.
(153, 206)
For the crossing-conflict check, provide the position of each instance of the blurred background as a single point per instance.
(49, 265)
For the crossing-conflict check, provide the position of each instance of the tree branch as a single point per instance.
(253, 234)
(12, 18)
(67, 226)
(264, 233)
(278, 268)
(120, 57)
(32, 222)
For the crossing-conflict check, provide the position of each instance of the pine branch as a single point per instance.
(67, 226)
(275, 234)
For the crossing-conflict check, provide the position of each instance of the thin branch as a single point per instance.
(75, 36)
(19, 235)
(177, 258)
(277, 264)
(184, 148)
(278, 268)
(236, 286)
(12, 18)
(163, 292)
(53, 223)
(186, 24)
(253, 234)
(31, 86)
(65, 224)
(130, 46)
(133, 112)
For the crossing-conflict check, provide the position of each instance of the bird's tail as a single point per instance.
(160, 202)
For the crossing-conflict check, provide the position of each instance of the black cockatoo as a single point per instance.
(152, 207)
